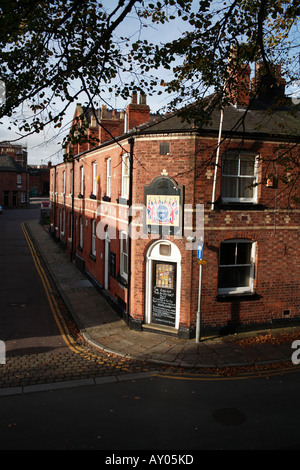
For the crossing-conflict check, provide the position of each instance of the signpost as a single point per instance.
(201, 262)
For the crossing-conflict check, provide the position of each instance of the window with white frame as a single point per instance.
(64, 183)
(236, 266)
(125, 176)
(239, 177)
(81, 180)
(123, 255)
(94, 237)
(108, 177)
(80, 232)
(94, 178)
(71, 182)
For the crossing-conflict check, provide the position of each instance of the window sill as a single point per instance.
(93, 257)
(237, 206)
(238, 297)
(122, 200)
(122, 281)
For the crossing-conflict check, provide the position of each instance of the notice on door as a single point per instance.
(164, 293)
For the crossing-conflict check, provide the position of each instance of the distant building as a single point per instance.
(39, 178)
(14, 183)
(16, 151)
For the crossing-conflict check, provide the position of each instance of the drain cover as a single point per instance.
(229, 416)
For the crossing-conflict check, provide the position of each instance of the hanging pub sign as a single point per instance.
(163, 207)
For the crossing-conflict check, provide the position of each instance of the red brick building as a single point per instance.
(16, 151)
(39, 177)
(14, 183)
(186, 185)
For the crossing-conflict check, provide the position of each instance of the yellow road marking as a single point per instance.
(49, 293)
(259, 374)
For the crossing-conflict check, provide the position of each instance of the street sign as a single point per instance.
(200, 251)
(201, 261)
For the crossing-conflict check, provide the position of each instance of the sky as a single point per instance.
(46, 146)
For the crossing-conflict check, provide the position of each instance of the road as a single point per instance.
(168, 415)
(159, 414)
(26, 323)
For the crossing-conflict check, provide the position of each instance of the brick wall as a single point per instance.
(8, 184)
(273, 227)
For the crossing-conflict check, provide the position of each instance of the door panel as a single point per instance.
(164, 293)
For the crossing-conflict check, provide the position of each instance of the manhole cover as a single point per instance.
(229, 416)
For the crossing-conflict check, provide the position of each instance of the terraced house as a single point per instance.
(157, 194)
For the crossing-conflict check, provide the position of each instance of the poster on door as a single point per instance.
(164, 293)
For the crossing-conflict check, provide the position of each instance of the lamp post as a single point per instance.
(201, 262)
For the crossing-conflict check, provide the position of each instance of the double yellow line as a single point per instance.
(64, 331)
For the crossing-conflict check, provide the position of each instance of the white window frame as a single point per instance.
(125, 176)
(123, 256)
(235, 289)
(108, 177)
(80, 232)
(94, 237)
(64, 183)
(94, 178)
(237, 177)
(81, 180)
(71, 182)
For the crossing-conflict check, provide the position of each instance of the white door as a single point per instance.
(163, 283)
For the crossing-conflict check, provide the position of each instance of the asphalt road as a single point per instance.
(36, 351)
(162, 415)
(26, 323)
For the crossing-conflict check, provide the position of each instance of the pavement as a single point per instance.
(103, 328)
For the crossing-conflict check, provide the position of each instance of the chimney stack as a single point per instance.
(268, 84)
(137, 114)
(238, 85)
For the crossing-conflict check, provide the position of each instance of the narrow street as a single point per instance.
(36, 350)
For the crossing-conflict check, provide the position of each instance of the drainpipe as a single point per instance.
(72, 210)
(217, 161)
(54, 200)
(131, 143)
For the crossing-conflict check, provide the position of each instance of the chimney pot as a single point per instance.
(134, 97)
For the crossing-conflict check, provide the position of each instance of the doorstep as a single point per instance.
(155, 327)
